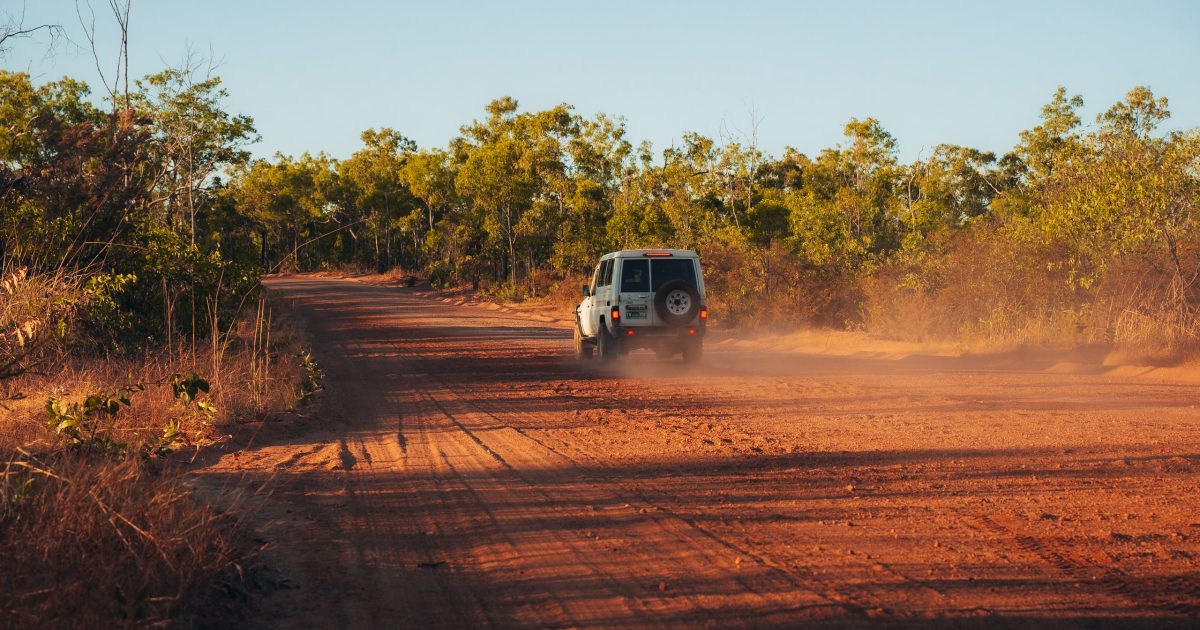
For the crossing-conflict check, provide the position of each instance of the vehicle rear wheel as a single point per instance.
(693, 352)
(583, 350)
(606, 344)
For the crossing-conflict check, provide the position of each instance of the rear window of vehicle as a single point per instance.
(664, 271)
(635, 276)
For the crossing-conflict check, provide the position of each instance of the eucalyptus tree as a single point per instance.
(61, 185)
(947, 190)
(596, 160)
(847, 209)
(507, 160)
(1054, 143)
(637, 218)
(1126, 190)
(194, 140)
(290, 201)
(429, 176)
(374, 192)
(499, 186)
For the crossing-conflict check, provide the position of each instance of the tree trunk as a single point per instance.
(512, 246)
(512, 257)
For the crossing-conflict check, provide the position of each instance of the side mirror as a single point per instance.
(587, 291)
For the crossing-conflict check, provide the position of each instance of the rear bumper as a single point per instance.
(667, 337)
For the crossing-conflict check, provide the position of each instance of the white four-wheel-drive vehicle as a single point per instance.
(643, 298)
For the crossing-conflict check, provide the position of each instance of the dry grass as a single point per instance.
(1150, 314)
(91, 544)
(30, 305)
(254, 369)
(96, 537)
(984, 292)
(768, 289)
(557, 296)
(995, 294)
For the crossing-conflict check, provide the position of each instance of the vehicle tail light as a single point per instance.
(616, 314)
(629, 332)
(691, 331)
(703, 312)
(657, 254)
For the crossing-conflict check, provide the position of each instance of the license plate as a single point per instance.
(635, 312)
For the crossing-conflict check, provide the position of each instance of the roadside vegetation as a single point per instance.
(133, 332)
(97, 525)
(1081, 234)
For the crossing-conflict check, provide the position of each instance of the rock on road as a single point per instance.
(464, 471)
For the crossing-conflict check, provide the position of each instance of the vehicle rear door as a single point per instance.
(664, 270)
(637, 302)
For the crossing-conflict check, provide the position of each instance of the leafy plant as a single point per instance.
(102, 311)
(88, 424)
(186, 387)
(160, 445)
(311, 381)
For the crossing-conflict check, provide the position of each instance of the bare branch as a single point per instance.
(16, 29)
(16, 32)
(121, 14)
(89, 32)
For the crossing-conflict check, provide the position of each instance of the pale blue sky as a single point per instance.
(315, 74)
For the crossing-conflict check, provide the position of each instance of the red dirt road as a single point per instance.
(465, 471)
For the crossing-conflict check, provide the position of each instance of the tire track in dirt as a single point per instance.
(650, 550)
(348, 555)
(686, 530)
(840, 603)
(1064, 560)
(812, 582)
(384, 593)
(447, 447)
(487, 481)
(1174, 594)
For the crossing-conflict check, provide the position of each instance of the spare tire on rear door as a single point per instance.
(677, 302)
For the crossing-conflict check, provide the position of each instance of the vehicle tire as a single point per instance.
(677, 303)
(606, 344)
(693, 352)
(583, 350)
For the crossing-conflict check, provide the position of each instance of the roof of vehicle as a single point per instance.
(650, 253)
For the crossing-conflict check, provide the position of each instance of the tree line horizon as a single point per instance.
(159, 195)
